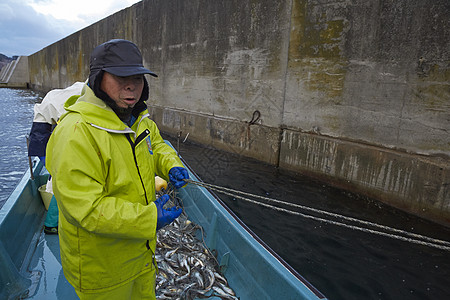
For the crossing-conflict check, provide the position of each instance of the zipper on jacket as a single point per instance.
(127, 133)
(133, 146)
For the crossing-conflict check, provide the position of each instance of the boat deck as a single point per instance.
(47, 261)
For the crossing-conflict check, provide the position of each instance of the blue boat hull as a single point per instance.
(30, 260)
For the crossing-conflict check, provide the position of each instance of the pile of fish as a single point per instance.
(187, 269)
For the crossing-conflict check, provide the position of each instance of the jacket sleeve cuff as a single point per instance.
(39, 135)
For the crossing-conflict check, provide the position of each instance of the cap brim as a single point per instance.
(128, 71)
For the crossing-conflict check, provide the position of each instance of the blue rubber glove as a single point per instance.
(165, 216)
(176, 176)
(42, 158)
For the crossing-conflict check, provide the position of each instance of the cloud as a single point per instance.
(24, 31)
(6, 12)
(83, 11)
(27, 26)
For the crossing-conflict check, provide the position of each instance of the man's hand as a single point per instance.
(177, 176)
(165, 216)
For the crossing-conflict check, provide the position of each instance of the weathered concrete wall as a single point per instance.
(372, 71)
(354, 92)
(414, 183)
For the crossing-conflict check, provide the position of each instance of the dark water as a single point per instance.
(341, 263)
(16, 117)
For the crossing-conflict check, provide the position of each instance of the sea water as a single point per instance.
(16, 117)
(342, 263)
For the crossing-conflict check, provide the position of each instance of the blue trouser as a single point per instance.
(52, 214)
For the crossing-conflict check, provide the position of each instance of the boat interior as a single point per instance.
(31, 266)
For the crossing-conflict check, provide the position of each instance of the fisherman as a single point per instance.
(103, 157)
(46, 116)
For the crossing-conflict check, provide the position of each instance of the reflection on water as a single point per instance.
(342, 263)
(16, 117)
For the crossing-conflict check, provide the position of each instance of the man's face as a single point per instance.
(125, 91)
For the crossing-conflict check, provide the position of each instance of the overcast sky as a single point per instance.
(27, 26)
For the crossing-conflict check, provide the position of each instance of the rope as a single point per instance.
(408, 236)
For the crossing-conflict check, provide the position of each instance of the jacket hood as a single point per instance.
(95, 111)
(95, 79)
(94, 83)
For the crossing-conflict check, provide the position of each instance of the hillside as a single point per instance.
(4, 60)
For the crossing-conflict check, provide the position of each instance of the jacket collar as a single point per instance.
(96, 112)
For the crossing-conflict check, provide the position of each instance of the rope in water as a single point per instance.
(408, 236)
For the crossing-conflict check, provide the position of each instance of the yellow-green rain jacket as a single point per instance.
(104, 182)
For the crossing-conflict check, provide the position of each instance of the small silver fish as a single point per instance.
(211, 278)
(186, 266)
(220, 277)
(169, 269)
(199, 278)
(227, 290)
(171, 252)
(222, 294)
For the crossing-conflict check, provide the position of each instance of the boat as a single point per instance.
(30, 260)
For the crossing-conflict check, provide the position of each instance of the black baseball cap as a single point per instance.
(118, 57)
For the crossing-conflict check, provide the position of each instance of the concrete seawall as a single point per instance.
(356, 94)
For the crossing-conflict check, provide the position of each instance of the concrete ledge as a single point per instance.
(14, 85)
(257, 141)
(413, 183)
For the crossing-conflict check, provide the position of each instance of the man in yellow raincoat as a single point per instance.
(103, 157)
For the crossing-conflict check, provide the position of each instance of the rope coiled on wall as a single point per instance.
(388, 231)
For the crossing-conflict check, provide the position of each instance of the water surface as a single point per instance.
(16, 117)
(342, 263)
